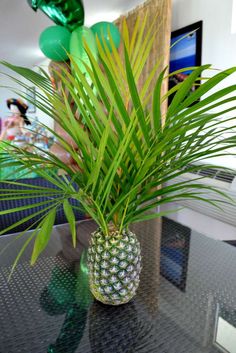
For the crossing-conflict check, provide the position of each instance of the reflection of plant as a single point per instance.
(59, 295)
(71, 332)
(68, 293)
(127, 147)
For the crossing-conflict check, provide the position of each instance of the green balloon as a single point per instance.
(67, 13)
(54, 42)
(77, 50)
(105, 31)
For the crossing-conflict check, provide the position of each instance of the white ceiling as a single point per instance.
(20, 26)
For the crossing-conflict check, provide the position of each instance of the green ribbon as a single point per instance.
(69, 14)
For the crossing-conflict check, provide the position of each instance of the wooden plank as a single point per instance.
(160, 49)
(161, 46)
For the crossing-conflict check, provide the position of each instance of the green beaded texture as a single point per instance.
(114, 263)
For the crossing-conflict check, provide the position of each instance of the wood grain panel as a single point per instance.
(161, 11)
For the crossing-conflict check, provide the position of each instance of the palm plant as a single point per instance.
(128, 149)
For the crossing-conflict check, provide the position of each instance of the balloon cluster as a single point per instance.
(69, 34)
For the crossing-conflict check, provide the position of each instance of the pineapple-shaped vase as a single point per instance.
(114, 263)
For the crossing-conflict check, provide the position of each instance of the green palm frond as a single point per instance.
(127, 149)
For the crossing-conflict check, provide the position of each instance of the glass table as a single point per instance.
(186, 302)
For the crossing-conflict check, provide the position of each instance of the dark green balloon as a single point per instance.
(67, 13)
(54, 42)
(105, 30)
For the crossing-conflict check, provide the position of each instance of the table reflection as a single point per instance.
(48, 307)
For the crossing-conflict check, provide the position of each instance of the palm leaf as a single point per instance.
(71, 220)
(43, 235)
(127, 149)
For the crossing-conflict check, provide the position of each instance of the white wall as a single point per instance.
(219, 43)
(108, 10)
(218, 49)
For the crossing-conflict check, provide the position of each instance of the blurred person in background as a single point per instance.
(14, 126)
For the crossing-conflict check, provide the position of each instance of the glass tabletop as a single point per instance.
(186, 302)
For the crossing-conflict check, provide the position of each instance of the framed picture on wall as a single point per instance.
(187, 52)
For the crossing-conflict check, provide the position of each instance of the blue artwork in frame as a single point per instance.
(187, 52)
